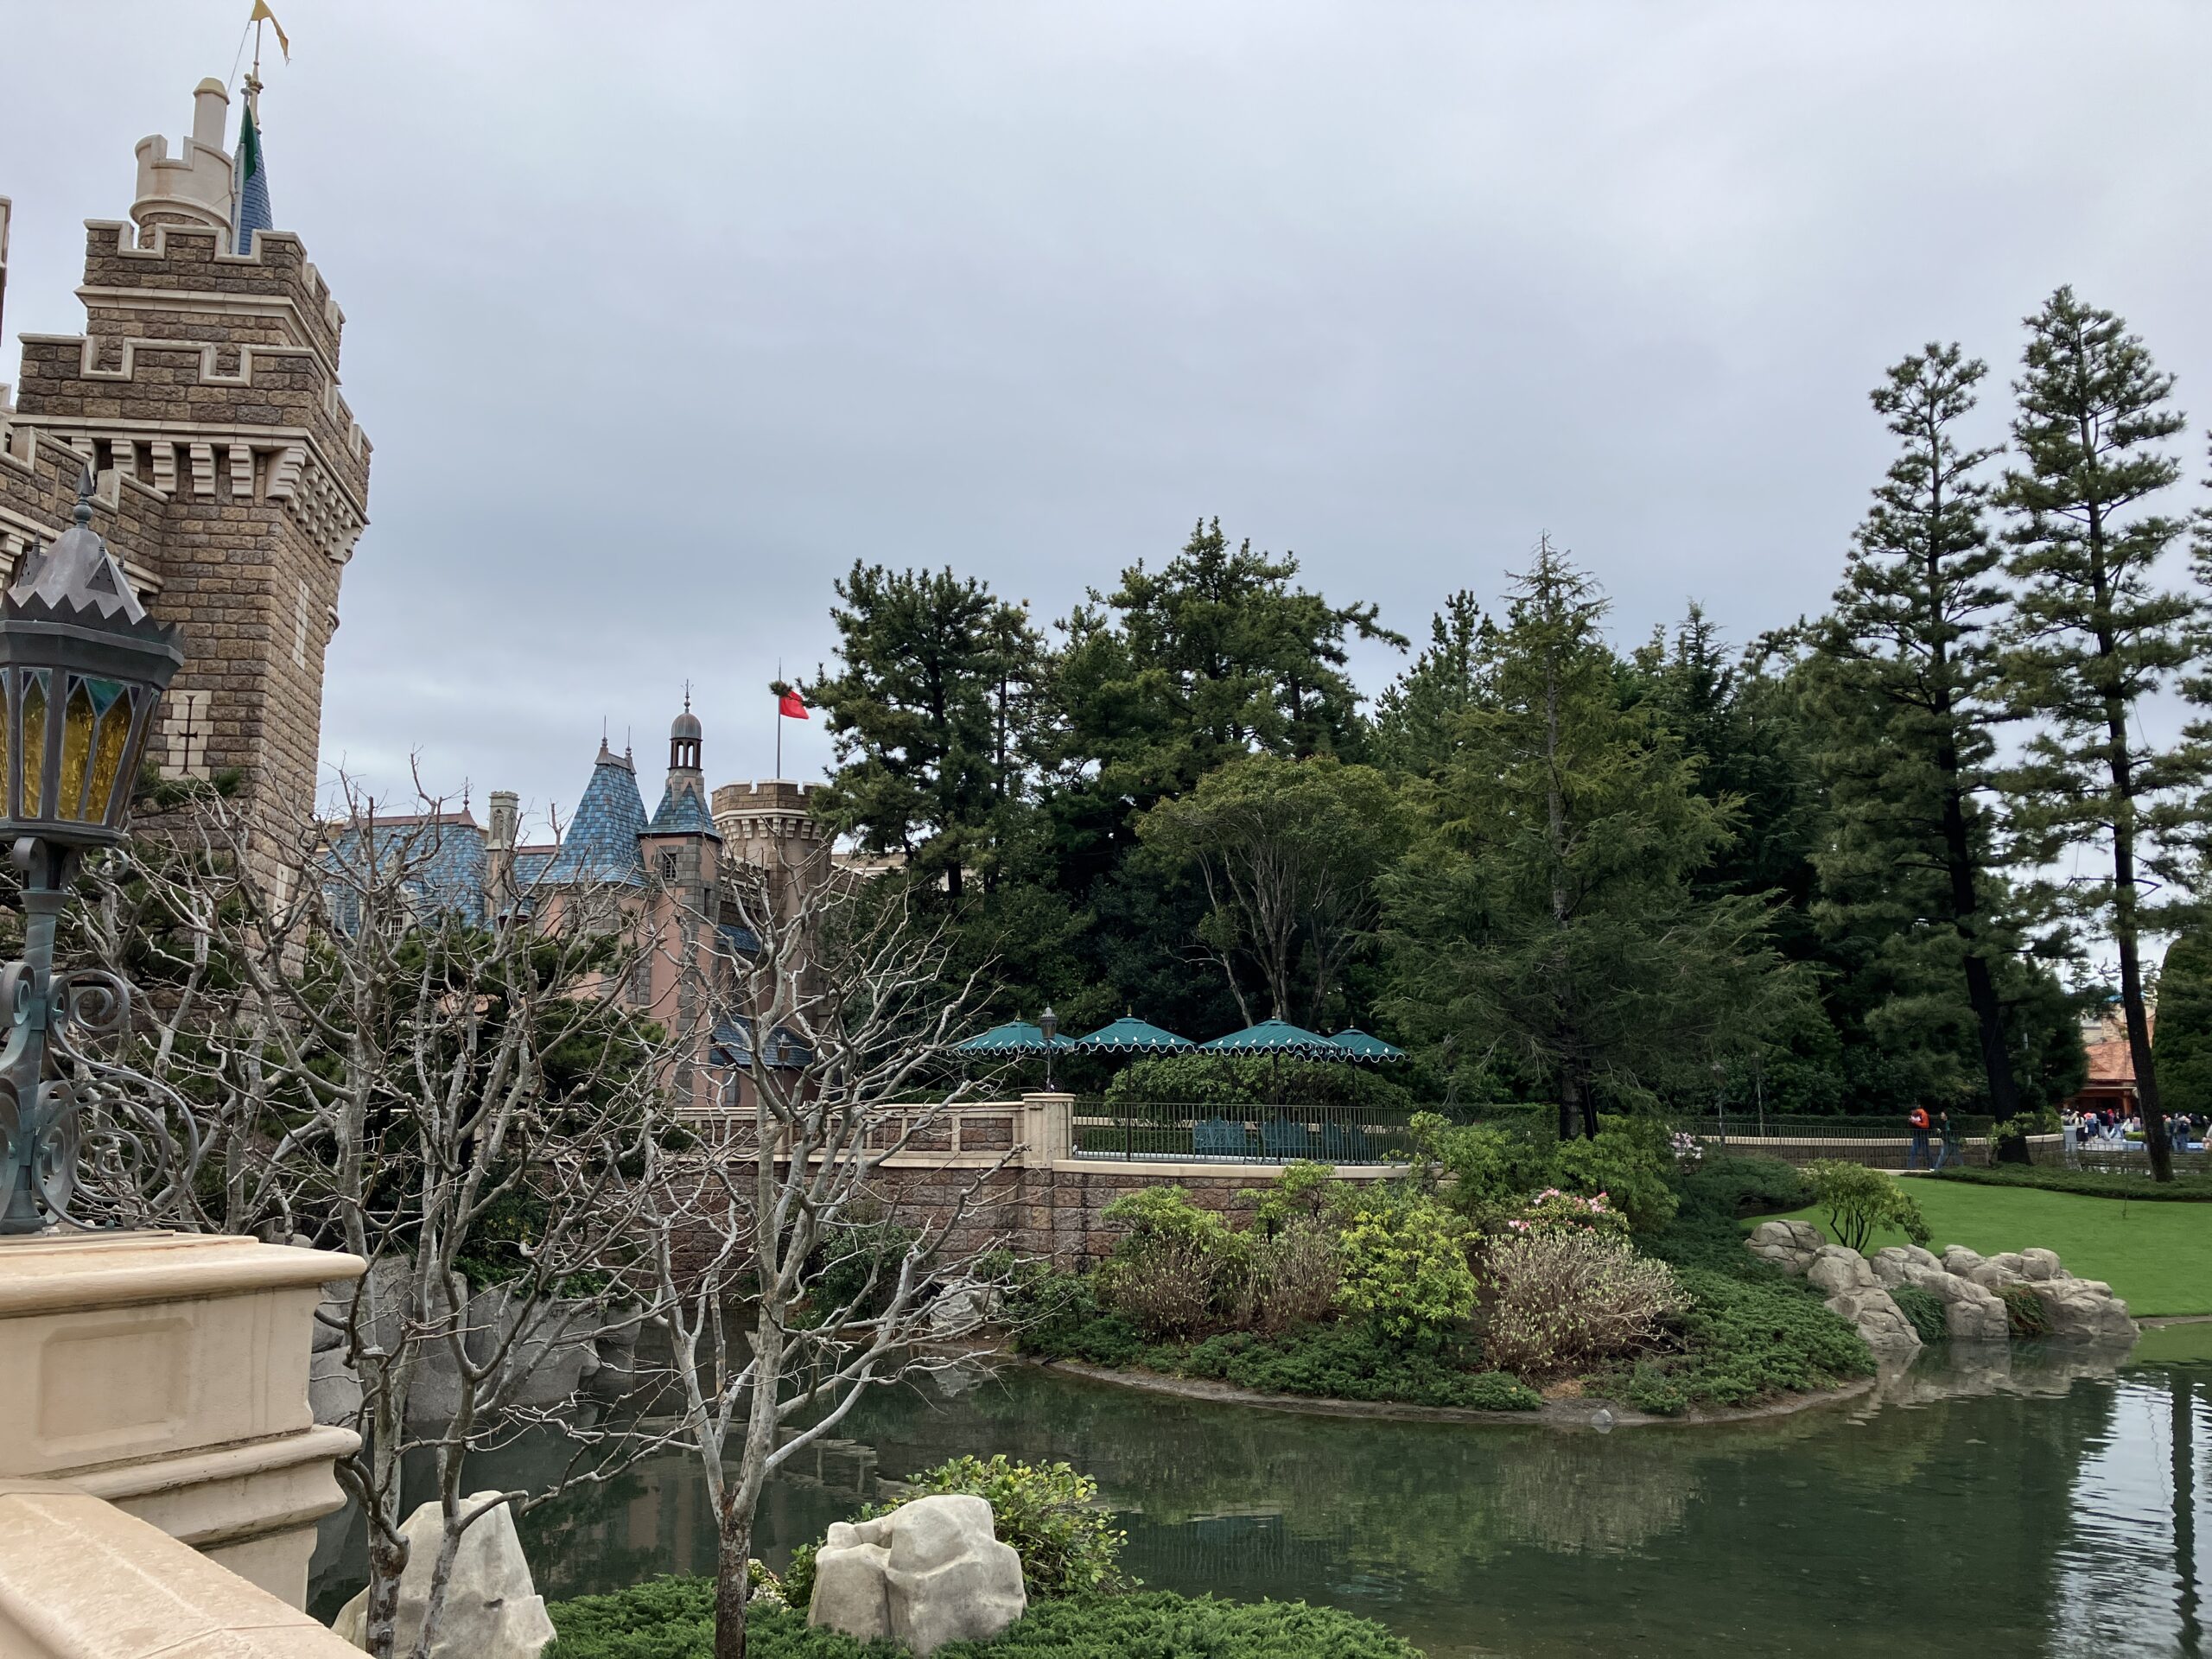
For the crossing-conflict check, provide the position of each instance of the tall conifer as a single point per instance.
(1909, 681)
(2094, 636)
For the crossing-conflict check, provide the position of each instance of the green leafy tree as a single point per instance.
(1290, 852)
(1547, 917)
(1859, 1201)
(2093, 637)
(930, 711)
(1218, 654)
(1909, 677)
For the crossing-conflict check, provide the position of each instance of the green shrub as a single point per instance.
(1049, 1514)
(1405, 1269)
(1178, 1269)
(1632, 1163)
(1736, 1185)
(2026, 1317)
(1058, 1316)
(1480, 1169)
(1924, 1310)
(1859, 1200)
(1305, 1190)
(1348, 1362)
(1559, 1300)
(1746, 1340)
(673, 1618)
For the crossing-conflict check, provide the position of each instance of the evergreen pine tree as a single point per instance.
(1549, 916)
(2093, 636)
(1419, 711)
(1912, 698)
(929, 712)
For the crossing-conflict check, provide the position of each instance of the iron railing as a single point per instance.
(1185, 1132)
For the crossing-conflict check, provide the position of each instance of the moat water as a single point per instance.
(2024, 1504)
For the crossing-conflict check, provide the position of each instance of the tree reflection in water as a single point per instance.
(1977, 1503)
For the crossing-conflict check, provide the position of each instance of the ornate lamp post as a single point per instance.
(82, 670)
(1049, 1023)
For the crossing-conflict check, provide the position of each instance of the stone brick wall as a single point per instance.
(234, 479)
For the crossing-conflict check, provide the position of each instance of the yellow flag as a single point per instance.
(263, 15)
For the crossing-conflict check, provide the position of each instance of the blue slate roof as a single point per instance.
(445, 852)
(530, 865)
(682, 813)
(601, 844)
(740, 941)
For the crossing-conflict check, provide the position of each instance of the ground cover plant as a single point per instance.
(1468, 1284)
(2157, 1256)
(674, 1619)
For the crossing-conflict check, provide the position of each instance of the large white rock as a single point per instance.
(492, 1609)
(2038, 1265)
(1837, 1268)
(1880, 1320)
(2083, 1310)
(1898, 1264)
(929, 1573)
(1791, 1245)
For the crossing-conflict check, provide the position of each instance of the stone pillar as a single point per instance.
(166, 1373)
(1047, 1130)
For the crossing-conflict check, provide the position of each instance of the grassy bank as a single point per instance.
(2157, 1256)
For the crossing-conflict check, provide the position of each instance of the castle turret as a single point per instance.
(192, 187)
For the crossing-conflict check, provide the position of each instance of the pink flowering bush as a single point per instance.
(1557, 1302)
(1554, 1209)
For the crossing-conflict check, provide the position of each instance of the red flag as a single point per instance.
(790, 706)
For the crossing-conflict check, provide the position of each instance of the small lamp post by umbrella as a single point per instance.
(82, 670)
(1049, 1023)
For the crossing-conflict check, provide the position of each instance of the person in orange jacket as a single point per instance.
(1916, 1155)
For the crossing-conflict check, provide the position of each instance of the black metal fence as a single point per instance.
(1187, 1133)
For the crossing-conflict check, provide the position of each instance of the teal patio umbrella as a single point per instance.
(1130, 1035)
(1276, 1037)
(1013, 1039)
(1366, 1050)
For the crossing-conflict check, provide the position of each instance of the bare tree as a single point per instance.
(848, 1019)
(378, 1062)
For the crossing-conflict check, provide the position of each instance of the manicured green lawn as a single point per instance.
(2158, 1257)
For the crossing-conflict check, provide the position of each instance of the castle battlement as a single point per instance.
(769, 808)
(233, 478)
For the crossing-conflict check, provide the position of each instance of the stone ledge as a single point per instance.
(81, 1580)
(59, 1272)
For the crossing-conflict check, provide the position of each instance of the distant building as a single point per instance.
(2111, 1081)
(671, 871)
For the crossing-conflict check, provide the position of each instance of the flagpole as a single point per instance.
(779, 719)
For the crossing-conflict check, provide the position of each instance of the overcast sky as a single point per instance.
(659, 317)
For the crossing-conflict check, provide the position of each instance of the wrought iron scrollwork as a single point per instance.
(85, 1140)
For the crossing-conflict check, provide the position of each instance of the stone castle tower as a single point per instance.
(232, 479)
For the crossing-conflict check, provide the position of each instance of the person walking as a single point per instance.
(1917, 1154)
(1951, 1149)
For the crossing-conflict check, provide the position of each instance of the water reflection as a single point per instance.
(2001, 1502)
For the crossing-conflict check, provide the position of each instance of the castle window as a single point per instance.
(667, 865)
(300, 630)
(184, 733)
